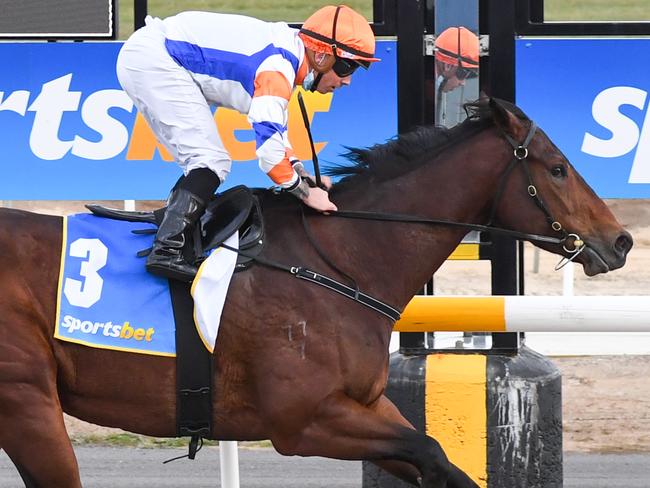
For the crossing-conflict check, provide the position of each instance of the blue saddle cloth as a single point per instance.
(106, 298)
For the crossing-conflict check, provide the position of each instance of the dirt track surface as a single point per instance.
(606, 399)
(606, 403)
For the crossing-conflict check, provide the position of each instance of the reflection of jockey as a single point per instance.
(456, 51)
(174, 68)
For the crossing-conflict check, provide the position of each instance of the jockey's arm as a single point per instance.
(268, 116)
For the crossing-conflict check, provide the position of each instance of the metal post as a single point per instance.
(139, 13)
(498, 19)
(413, 108)
(229, 460)
(537, 11)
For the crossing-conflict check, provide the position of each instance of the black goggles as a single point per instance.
(345, 67)
(464, 73)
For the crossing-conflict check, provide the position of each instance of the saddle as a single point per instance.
(237, 208)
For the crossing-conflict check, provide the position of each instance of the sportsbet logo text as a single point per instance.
(84, 293)
(626, 135)
(56, 101)
(108, 329)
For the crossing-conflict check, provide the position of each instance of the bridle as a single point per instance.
(520, 157)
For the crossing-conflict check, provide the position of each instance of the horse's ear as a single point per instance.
(506, 120)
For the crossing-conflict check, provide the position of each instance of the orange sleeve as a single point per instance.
(282, 173)
(272, 83)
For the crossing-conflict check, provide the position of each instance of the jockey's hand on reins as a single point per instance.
(312, 184)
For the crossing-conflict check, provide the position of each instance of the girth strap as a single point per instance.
(193, 371)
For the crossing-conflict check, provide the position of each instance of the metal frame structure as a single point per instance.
(529, 21)
(77, 37)
(416, 106)
(384, 16)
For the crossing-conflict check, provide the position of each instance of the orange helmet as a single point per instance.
(340, 31)
(457, 46)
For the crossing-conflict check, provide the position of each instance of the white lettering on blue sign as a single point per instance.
(53, 101)
(626, 134)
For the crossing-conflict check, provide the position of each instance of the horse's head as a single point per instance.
(542, 193)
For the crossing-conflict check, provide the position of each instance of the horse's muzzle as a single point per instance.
(606, 256)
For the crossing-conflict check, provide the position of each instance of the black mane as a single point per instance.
(405, 152)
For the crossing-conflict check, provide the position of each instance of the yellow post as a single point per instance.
(455, 410)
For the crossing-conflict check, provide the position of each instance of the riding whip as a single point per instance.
(305, 119)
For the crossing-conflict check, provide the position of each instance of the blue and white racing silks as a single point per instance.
(248, 65)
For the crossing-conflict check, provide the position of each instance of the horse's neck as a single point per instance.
(401, 257)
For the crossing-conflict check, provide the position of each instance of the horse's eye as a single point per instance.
(559, 171)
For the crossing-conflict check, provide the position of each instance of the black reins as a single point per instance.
(520, 156)
(520, 152)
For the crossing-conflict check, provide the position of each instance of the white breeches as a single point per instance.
(171, 102)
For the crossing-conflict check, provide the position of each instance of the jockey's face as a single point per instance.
(331, 81)
(448, 72)
(452, 81)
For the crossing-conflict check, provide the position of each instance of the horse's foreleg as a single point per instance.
(388, 410)
(344, 429)
(403, 470)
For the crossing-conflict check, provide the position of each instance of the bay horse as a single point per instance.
(296, 363)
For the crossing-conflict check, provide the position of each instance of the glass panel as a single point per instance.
(459, 340)
(456, 66)
(281, 10)
(470, 277)
(596, 10)
(452, 89)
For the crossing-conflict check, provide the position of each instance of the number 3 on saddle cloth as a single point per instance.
(106, 298)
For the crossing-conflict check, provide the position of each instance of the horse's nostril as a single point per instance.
(623, 244)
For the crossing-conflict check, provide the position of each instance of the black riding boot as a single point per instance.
(185, 206)
(167, 258)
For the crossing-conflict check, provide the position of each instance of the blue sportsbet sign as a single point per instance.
(69, 131)
(592, 98)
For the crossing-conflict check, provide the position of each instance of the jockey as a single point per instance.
(174, 69)
(456, 53)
